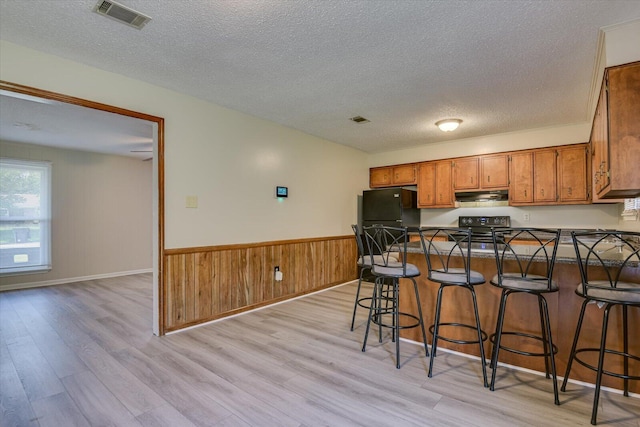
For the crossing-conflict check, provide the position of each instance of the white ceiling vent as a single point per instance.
(121, 13)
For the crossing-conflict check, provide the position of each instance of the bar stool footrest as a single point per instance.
(521, 352)
(604, 371)
(376, 320)
(457, 341)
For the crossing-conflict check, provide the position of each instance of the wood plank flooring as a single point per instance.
(83, 355)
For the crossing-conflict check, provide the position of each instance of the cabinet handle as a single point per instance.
(488, 178)
(525, 193)
(542, 192)
(569, 190)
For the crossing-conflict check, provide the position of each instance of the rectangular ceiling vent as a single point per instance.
(121, 13)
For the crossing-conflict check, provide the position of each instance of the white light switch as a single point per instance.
(192, 201)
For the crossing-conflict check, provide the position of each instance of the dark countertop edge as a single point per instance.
(416, 248)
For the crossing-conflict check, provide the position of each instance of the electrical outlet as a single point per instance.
(277, 273)
(526, 217)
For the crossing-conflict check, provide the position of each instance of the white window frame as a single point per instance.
(43, 217)
(631, 209)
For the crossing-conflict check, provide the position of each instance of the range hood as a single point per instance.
(483, 196)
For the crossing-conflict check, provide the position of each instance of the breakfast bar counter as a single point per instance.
(521, 315)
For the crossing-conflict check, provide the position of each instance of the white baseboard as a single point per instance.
(54, 282)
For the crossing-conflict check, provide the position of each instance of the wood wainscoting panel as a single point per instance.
(204, 284)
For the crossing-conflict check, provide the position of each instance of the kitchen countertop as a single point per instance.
(566, 253)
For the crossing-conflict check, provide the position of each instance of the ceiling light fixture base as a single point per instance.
(448, 125)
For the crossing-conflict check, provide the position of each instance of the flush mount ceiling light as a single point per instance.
(448, 125)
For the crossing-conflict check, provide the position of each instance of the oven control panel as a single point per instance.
(484, 221)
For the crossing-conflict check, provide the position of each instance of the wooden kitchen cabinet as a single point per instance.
(573, 174)
(393, 176)
(521, 180)
(435, 189)
(465, 174)
(544, 176)
(481, 173)
(494, 172)
(533, 177)
(615, 135)
(549, 176)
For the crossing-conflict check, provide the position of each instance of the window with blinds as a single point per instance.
(25, 216)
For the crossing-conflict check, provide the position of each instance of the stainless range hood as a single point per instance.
(483, 198)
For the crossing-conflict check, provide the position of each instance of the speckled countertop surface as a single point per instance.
(566, 253)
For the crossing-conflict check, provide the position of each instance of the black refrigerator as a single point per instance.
(396, 207)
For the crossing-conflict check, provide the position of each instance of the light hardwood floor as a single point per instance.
(83, 354)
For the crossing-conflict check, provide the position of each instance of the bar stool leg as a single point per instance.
(396, 321)
(497, 337)
(603, 341)
(421, 319)
(436, 327)
(374, 299)
(480, 343)
(551, 355)
(625, 332)
(575, 344)
(544, 338)
(355, 305)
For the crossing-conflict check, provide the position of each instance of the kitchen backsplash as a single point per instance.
(568, 216)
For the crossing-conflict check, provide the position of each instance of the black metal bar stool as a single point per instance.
(364, 262)
(384, 309)
(525, 268)
(442, 258)
(606, 259)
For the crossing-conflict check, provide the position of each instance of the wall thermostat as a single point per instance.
(282, 191)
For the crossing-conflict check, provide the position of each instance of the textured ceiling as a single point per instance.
(500, 66)
(73, 127)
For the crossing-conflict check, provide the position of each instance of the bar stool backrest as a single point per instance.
(618, 255)
(387, 243)
(526, 254)
(360, 244)
(441, 246)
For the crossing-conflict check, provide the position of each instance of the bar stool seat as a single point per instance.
(532, 282)
(615, 254)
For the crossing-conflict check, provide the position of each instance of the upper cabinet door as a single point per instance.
(494, 171)
(444, 189)
(380, 177)
(521, 182)
(404, 175)
(573, 174)
(465, 174)
(426, 184)
(620, 177)
(544, 176)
